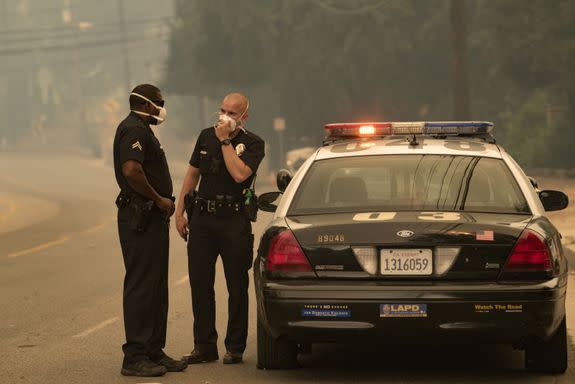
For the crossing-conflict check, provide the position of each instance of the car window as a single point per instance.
(409, 182)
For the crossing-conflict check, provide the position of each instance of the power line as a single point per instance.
(65, 47)
(85, 59)
(58, 35)
(75, 29)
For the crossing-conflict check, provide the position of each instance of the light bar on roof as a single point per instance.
(359, 130)
(458, 127)
(408, 128)
(356, 130)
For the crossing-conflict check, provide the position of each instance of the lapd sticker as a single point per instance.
(326, 310)
(240, 149)
(498, 308)
(403, 310)
(137, 145)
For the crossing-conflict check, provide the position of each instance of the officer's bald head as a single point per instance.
(237, 99)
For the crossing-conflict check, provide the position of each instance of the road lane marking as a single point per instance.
(96, 328)
(95, 228)
(11, 209)
(39, 248)
(183, 280)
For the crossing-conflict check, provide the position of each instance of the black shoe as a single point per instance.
(233, 357)
(197, 357)
(171, 364)
(144, 368)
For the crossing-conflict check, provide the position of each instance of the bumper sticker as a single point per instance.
(326, 310)
(498, 308)
(403, 310)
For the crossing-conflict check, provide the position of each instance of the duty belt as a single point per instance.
(219, 207)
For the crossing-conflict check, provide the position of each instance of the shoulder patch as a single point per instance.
(240, 149)
(137, 145)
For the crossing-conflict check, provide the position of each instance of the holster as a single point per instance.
(140, 210)
(190, 203)
(251, 204)
(251, 201)
(140, 214)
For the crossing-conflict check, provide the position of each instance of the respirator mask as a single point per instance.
(157, 119)
(223, 118)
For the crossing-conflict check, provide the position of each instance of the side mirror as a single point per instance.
(553, 200)
(266, 201)
(533, 182)
(283, 178)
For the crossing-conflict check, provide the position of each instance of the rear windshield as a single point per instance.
(409, 183)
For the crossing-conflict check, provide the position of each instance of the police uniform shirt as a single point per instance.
(208, 157)
(136, 141)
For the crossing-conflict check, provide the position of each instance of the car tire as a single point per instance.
(275, 353)
(549, 356)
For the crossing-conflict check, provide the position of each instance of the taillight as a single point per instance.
(530, 254)
(285, 255)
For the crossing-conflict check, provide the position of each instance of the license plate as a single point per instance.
(406, 262)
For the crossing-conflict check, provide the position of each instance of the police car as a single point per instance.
(411, 232)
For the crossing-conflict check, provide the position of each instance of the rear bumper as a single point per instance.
(370, 312)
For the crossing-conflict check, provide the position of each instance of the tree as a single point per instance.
(318, 65)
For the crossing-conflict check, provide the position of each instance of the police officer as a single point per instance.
(144, 208)
(224, 162)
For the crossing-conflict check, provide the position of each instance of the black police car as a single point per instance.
(398, 232)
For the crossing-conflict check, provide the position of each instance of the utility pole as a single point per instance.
(124, 45)
(461, 109)
(4, 15)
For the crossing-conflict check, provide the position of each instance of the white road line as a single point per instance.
(97, 327)
(11, 209)
(39, 248)
(95, 228)
(183, 280)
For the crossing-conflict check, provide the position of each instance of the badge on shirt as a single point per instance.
(137, 145)
(240, 149)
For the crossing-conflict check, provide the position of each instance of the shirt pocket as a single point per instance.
(208, 163)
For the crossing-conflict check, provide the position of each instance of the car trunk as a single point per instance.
(459, 246)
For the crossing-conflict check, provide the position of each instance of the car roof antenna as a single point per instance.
(413, 142)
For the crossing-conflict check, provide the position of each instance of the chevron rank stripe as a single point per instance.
(137, 145)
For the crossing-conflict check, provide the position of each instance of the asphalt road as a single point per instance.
(61, 300)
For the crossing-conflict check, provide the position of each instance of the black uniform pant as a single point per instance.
(145, 286)
(231, 238)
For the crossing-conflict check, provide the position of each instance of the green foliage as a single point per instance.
(319, 61)
(526, 135)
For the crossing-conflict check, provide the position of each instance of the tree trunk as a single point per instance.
(461, 110)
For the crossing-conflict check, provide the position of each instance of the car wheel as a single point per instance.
(275, 353)
(550, 356)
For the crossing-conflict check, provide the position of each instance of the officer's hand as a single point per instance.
(167, 206)
(182, 226)
(223, 130)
